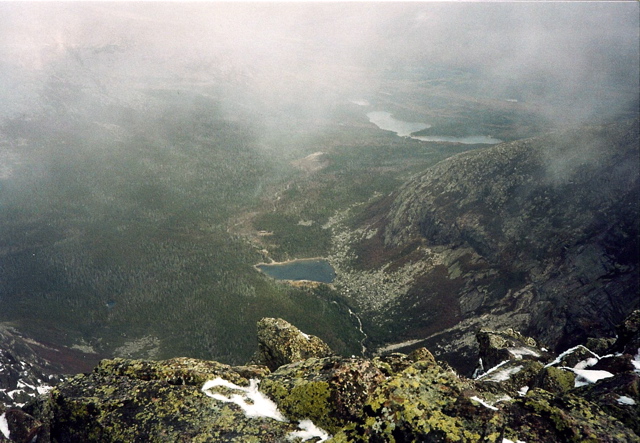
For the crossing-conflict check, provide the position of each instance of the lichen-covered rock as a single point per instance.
(600, 345)
(510, 378)
(544, 417)
(281, 343)
(20, 426)
(628, 332)
(498, 346)
(618, 396)
(391, 398)
(179, 371)
(554, 380)
(423, 403)
(134, 400)
(330, 391)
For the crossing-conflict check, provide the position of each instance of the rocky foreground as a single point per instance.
(297, 390)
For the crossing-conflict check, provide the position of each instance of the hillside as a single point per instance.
(539, 234)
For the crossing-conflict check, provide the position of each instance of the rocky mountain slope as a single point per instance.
(312, 395)
(539, 234)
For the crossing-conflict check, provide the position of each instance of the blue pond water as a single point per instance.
(385, 120)
(311, 269)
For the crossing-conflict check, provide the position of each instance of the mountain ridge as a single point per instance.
(538, 234)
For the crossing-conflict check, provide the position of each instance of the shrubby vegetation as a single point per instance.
(119, 223)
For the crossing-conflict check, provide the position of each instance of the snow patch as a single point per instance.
(44, 389)
(4, 425)
(505, 374)
(253, 402)
(624, 400)
(523, 391)
(518, 353)
(483, 403)
(636, 362)
(569, 351)
(584, 364)
(506, 440)
(308, 431)
(586, 376)
(495, 368)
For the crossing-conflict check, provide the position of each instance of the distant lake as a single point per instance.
(470, 140)
(385, 121)
(316, 269)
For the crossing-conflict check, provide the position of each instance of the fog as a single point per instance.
(152, 153)
(567, 58)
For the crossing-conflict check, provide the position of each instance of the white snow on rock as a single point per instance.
(506, 440)
(586, 376)
(503, 374)
(43, 389)
(624, 400)
(569, 351)
(523, 391)
(518, 353)
(584, 364)
(308, 431)
(4, 426)
(495, 368)
(483, 403)
(636, 362)
(253, 402)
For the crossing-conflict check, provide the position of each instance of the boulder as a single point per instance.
(498, 346)
(330, 391)
(281, 343)
(628, 341)
(162, 401)
(541, 416)
(20, 426)
(619, 396)
(554, 380)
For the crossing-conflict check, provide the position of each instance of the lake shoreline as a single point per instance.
(312, 270)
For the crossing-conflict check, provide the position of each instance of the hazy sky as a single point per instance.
(301, 48)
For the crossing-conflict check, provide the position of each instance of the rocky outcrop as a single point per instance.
(498, 346)
(540, 235)
(23, 373)
(391, 398)
(280, 343)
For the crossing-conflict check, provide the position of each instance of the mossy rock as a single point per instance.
(281, 343)
(498, 346)
(618, 396)
(554, 380)
(330, 391)
(101, 407)
(542, 417)
(179, 371)
(421, 403)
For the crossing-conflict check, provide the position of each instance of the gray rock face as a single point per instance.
(551, 226)
(498, 346)
(281, 343)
